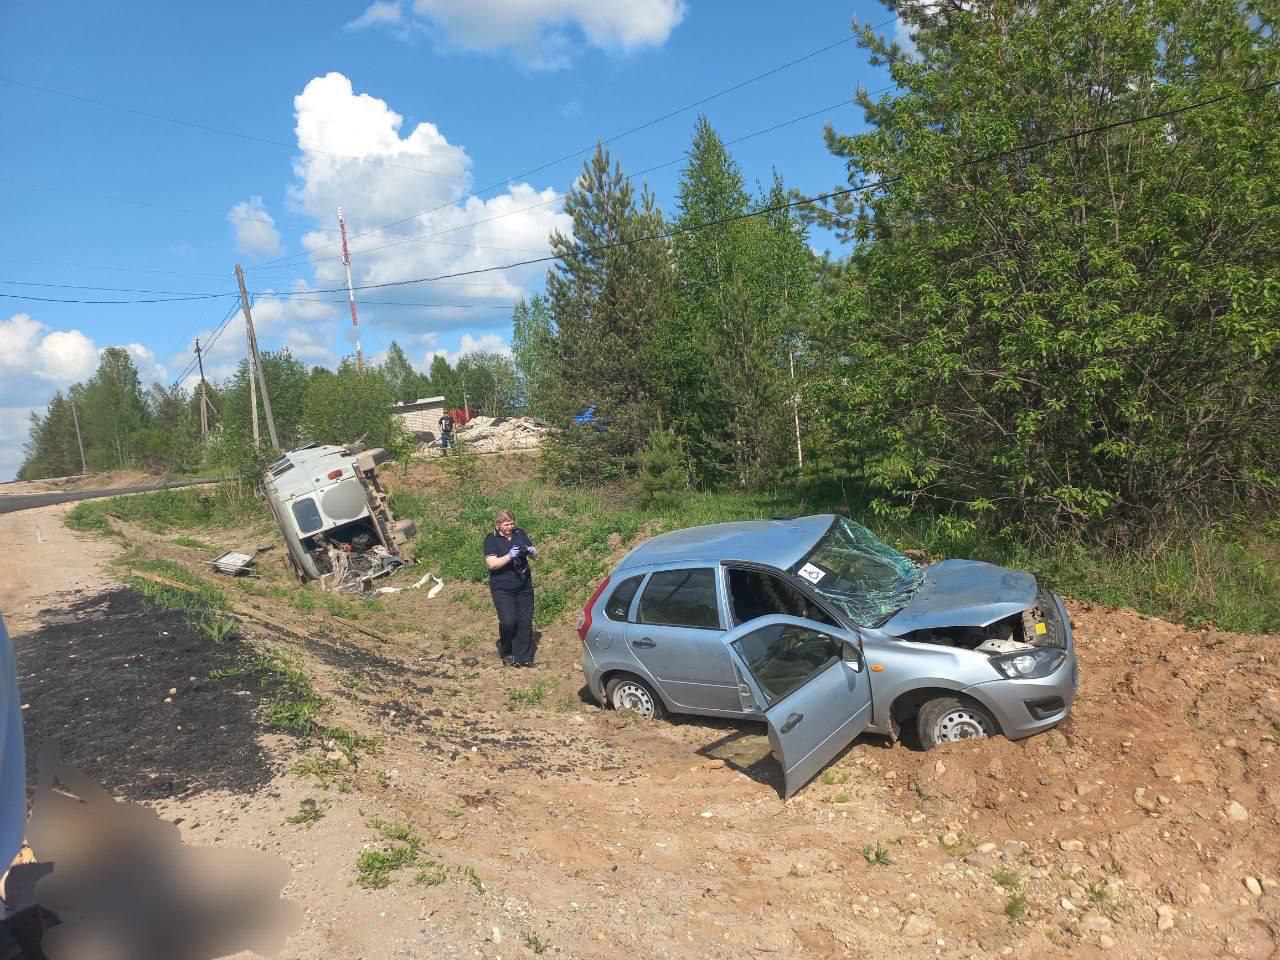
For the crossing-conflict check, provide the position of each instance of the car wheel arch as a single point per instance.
(907, 703)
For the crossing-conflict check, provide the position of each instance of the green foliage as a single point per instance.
(876, 855)
(1081, 335)
(1015, 907)
(226, 505)
(606, 296)
(663, 467)
(533, 346)
(287, 381)
(521, 698)
(341, 407)
(309, 812)
(374, 868)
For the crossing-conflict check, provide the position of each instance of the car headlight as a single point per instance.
(1029, 664)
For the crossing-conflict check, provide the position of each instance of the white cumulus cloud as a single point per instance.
(444, 229)
(485, 343)
(543, 32)
(256, 232)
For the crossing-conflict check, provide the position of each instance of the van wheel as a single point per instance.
(949, 720)
(630, 693)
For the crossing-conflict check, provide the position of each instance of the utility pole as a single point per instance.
(255, 362)
(84, 467)
(204, 414)
(351, 293)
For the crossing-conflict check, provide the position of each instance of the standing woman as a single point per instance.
(507, 552)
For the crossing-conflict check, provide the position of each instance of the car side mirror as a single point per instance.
(850, 654)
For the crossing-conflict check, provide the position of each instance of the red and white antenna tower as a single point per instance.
(351, 294)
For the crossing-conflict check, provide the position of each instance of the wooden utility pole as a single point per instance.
(204, 413)
(255, 361)
(84, 467)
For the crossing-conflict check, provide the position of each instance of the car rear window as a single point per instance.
(755, 593)
(619, 604)
(681, 598)
(307, 514)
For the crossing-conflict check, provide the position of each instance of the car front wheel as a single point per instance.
(629, 693)
(950, 720)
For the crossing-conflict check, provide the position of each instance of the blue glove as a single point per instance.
(513, 553)
(533, 551)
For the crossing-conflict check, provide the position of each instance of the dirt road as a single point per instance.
(1146, 826)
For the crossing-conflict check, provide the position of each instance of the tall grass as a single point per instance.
(1219, 577)
(165, 510)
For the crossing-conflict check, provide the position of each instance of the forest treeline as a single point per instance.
(1057, 305)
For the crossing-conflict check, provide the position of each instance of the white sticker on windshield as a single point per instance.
(811, 573)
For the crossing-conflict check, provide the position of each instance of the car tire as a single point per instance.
(632, 693)
(950, 720)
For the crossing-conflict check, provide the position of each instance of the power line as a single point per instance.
(23, 296)
(618, 136)
(229, 133)
(805, 201)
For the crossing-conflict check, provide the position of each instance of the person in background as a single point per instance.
(507, 552)
(13, 777)
(446, 431)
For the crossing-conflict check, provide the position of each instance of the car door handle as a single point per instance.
(644, 643)
(790, 723)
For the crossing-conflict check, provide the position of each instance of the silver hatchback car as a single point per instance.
(824, 632)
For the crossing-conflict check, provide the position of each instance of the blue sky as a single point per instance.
(436, 98)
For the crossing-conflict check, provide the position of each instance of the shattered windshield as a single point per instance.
(867, 579)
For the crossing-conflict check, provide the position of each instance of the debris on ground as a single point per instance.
(233, 564)
(421, 582)
(496, 434)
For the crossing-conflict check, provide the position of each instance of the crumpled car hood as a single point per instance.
(963, 593)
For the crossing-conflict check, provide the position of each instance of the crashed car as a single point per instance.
(334, 515)
(818, 628)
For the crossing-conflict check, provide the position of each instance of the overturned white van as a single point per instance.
(334, 514)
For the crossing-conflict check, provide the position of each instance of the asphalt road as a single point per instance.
(25, 501)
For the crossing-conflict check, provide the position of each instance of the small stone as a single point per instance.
(1039, 860)
(939, 768)
(1067, 904)
(1253, 886)
(168, 699)
(496, 936)
(1141, 799)
(1095, 922)
(1076, 891)
(1236, 811)
(707, 814)
(1164, 917)
(1064, 805)
(801, 870)
(1106, 942)
(172, 691)
(1071, 846)
(950, 839)
(986, 847)
(916, 926)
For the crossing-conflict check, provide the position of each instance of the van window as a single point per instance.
(307, 514)
(755, 593)
(681, 598)
(619, 604)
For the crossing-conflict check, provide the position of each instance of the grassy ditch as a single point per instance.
(161, 511)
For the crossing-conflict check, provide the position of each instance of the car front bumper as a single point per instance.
(1026, 707)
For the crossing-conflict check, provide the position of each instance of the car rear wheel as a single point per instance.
(950, 720)
(630, 693)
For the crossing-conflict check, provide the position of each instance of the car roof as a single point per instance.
(780, 542)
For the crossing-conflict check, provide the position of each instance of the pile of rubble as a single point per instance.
(492, 434)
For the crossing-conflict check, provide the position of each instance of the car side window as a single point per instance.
(619, 604)
(756, 593)
(681, 598)
(783, 657)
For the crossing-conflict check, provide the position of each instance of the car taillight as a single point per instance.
(584, 618)
(334, 474)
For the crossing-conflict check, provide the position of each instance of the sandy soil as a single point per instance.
(1146, 826)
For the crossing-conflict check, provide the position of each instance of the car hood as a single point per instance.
(963, 593)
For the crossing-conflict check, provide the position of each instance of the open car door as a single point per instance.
(810, 682)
